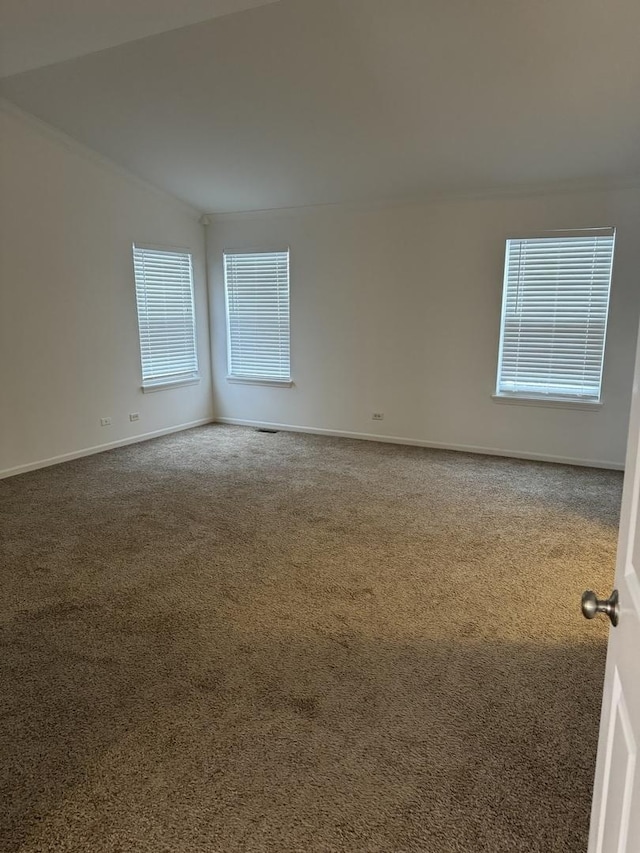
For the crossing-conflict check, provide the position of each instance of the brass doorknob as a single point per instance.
(591, 605)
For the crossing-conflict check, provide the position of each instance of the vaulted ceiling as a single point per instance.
(301, 102)
(34, 33)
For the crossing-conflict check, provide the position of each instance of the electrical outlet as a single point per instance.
(377, 416)
(105, 421)
(134, 416)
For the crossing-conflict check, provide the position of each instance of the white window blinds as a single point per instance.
(554, 315)
(257, 291)
(166, 316)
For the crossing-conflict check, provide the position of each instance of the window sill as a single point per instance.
(165, 385)
(548, 402)
(255, 380)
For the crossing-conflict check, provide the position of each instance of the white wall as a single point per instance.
(397, 310)
(69, 351)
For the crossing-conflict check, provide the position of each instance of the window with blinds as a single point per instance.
(166, 315)
(554, 315)
(258, 327)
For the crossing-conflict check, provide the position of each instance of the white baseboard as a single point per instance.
(395, 439)
(100, 448)
(388, 439)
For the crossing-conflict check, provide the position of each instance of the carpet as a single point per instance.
(226, 640)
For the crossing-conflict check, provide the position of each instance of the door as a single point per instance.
(615, 814)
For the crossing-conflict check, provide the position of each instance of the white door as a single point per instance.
(615, 815)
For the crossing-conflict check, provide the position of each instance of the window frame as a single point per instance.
(249, 379)
(176, 380)
(552, 399)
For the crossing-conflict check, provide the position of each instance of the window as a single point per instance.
(554, 315)
(166, 316)
(258, 329)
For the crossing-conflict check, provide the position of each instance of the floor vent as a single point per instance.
(270, 431)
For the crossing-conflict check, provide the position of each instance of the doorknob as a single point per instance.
(591, 605)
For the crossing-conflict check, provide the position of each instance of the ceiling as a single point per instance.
(34, 33)
(303, 102)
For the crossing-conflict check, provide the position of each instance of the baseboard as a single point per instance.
(100, 448)
(363, 436)
(395, 439)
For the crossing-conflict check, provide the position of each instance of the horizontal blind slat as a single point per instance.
(555, 306)
(166, 313)
(257, 292)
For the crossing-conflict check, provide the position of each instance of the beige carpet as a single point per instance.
(230, 641)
